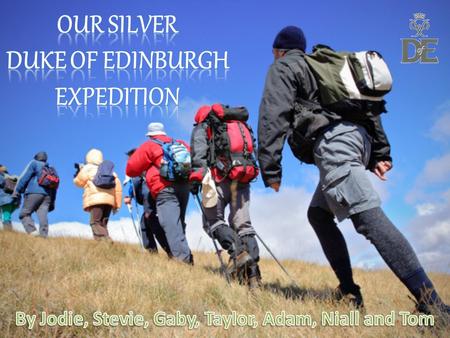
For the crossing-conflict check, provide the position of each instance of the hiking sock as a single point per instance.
(333, 245)
(396, 251)
(422, 288)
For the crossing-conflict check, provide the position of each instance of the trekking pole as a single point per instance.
(222, 265)
(276, 260)
(138, 234)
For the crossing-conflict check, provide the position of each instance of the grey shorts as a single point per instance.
(342, 154)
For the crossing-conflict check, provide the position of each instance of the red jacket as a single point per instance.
(148, 158)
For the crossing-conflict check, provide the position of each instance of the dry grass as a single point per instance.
(84, 276)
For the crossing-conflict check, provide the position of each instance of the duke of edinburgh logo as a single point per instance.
(419, 47)
(419, 24)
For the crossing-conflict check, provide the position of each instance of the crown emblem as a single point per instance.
(419, 24)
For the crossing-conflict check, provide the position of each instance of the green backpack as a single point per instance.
(350, 82)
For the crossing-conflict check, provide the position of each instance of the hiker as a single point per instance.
(102, 192)
(39, 182)
(342, 148)
(220, 137)
(169, 188)
(7, 203)
(150, 227)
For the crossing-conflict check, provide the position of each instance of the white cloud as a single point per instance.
(425, 209)
(281, 221)
(441, 128)
(187, 109)
(435, 175)
(121, 230)
(430, 235)
(430, 229)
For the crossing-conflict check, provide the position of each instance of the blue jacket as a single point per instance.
(143, 194)
(4, 197)
(28, 181)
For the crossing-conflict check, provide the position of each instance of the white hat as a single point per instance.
(209, 191)
(155, 128)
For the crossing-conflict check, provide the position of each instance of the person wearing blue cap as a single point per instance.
(342, 149)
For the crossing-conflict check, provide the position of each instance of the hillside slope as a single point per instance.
(68, 277)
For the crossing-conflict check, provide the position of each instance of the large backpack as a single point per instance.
(350, 82)
(104, 178)
(176, 161)
(49, 177)
(10, 184)
(232, 143)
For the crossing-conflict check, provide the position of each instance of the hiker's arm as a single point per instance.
(381, 149)
(274, 120)
(140, 161)
(2, 182)
(82, 177)
(199, 152)
(133, 186)
(25, 178)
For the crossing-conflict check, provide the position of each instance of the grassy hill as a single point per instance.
(68, 277)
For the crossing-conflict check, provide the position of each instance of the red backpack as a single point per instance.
(231, 144)
(49, 177)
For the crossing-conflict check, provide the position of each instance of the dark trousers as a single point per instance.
(99, 221)
(171, 204)
(39, 204)
(151, 229)
(373, 224)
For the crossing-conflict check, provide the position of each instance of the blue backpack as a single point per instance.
(176, 162)
(104, 177)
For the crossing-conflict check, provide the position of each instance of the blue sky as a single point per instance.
(246, 30)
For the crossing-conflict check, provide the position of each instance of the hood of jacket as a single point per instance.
(94, 156)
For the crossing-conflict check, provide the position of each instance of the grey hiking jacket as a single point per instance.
(291, 98)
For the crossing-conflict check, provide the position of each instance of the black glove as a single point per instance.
(51, 207)
(195, 187)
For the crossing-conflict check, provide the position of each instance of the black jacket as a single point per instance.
(290, 108)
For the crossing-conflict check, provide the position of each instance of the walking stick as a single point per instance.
(222, 265)
(138, 233)
(276, 260)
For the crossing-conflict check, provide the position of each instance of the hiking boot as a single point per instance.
(351, 296)
(254, 277)
(440, 311)
(235, 266)
(254, 283)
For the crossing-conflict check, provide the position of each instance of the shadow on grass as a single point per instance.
(292, 292)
